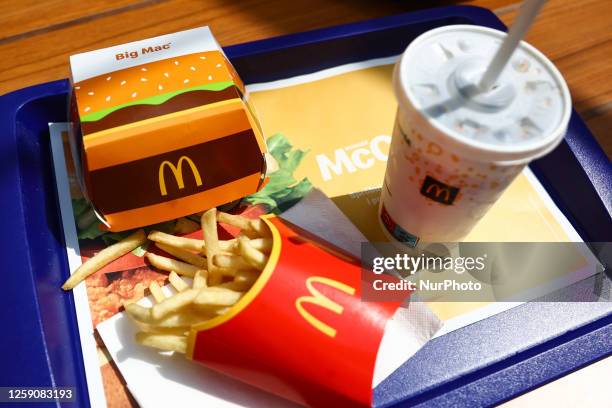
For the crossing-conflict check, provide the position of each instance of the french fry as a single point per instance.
(222, 310)
(185, 226)
(156, 292)
(177, 283)
(235, 286)
(211, 244)
(167, 342)
(173, 303)
(231, 262)
(237, 221)
(184, 255)
(139, 313)
(229, 272)
(259, 227)
(199, 280)
(216, 296)
(188, 244)
(183, 318)
(252, 256)
(151, 328)
(169, 265)
(251, 228)
(228, 245)
(104, 257)
(261, 244)
(246, 277)
(243, 280)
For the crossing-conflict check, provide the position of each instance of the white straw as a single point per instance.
(528, 13)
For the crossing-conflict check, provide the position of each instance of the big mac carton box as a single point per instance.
(162, 128)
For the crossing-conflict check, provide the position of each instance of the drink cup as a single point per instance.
(455, 149)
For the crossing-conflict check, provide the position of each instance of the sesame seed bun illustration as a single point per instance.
(155, 88)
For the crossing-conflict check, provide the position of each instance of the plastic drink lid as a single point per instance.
(523, 116)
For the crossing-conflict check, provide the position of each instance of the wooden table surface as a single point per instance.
(37, 36)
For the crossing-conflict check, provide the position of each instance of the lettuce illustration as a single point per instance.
(88, 226)
(282, 190)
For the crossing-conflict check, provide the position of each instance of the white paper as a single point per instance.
(93, 376)
(316, 212)
(156, 379)
(412, 325)
(93, 63)
(171, 380)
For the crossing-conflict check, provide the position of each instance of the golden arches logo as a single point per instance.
(438, 191)
(316, 298)
(177, 172)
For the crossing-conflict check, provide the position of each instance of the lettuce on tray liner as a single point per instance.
(281, 192)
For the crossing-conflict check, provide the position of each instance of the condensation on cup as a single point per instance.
(455, 150)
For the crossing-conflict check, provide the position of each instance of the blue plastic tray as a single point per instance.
(484, 363)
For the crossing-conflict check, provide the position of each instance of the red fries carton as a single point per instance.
(302, 331)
